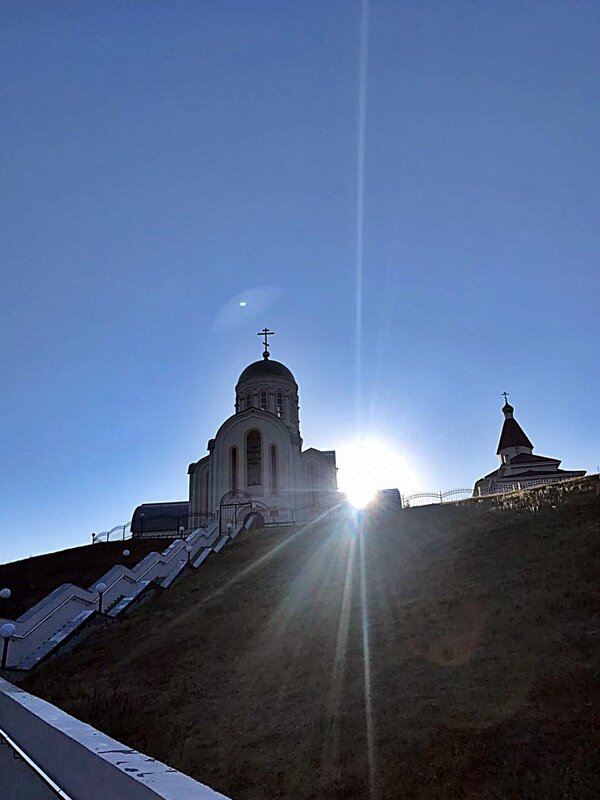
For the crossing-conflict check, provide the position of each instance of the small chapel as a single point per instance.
(255, 462)
(519, 467)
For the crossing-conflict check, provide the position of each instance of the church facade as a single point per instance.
(256, 459)
(519, 467)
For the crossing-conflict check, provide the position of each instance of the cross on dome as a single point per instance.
(266, 333)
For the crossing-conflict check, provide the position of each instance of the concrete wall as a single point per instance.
(85, 763)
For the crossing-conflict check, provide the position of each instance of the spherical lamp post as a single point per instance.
(126, 553)
(7, 631)
(100, 588)
(5, 593)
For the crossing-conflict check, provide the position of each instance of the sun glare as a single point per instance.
(367, 465)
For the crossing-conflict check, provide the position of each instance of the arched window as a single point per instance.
(241, 404)
(248, 401)
(233, 469)
(274, 470)
(205, 481)
(280, 404)
(253, 459)
(263, 401)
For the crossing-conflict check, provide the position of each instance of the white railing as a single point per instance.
(42, 628)
(45, 753)
(37, 771)
(121, 532)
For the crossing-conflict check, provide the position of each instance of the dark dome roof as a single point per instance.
(266, 369)
(512, 435)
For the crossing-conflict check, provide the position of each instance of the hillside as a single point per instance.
(31, 579)
(439, 652)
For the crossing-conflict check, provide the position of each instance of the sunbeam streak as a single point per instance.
(364, 619)
(331, 739)
(360, 196)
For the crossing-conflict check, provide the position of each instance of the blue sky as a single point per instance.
(163, 161)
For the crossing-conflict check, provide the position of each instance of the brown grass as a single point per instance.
(477, 675)
(33, 578)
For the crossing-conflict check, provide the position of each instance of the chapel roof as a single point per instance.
(527, 458)
(266, 368)
(531, 473)
(512, 434)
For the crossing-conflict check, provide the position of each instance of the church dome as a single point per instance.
(266, 369)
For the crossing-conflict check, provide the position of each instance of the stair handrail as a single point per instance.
(124, 574)
(54, 787)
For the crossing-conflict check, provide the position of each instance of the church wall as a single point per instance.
(198, 488)
(234, 434)
(318, 480)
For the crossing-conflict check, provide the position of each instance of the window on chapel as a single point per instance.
(253, 459)
(233, 469)
(279, 404)
(274, 475)
(263, 401)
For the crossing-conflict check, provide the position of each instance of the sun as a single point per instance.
(367, 465)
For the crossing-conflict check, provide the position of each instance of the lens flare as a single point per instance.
(366, 466)
(361, 496)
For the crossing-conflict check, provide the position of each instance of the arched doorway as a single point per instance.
(258, 521)
(233, 508)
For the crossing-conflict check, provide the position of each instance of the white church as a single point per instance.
(255, 462)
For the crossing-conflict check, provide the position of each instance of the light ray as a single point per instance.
(360, 196)
(364, 618)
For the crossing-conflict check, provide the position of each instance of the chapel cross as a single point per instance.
(505, 396)
(266, 333)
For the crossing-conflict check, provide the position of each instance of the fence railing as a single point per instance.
(165, 527)
(176, 526)
(435, 497)
(118, 532)
(490, 489)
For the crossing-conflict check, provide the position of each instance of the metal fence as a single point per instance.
(176, 526)
(116, 533)
(426, 498)
(490, 489)
(164, 526)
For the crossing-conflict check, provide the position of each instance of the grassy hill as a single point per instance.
(439, 652)
(31, 579)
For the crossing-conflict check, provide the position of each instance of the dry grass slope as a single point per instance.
(433, 653)
(31, 579)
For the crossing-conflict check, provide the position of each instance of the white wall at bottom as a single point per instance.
(85, 763)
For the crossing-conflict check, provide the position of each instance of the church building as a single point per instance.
(519, 467)
(255, 461)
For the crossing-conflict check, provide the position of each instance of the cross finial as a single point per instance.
(266, 333)
(505, 396)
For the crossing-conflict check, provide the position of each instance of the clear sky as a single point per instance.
(163, 161)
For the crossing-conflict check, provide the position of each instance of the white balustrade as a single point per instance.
(44, 626)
